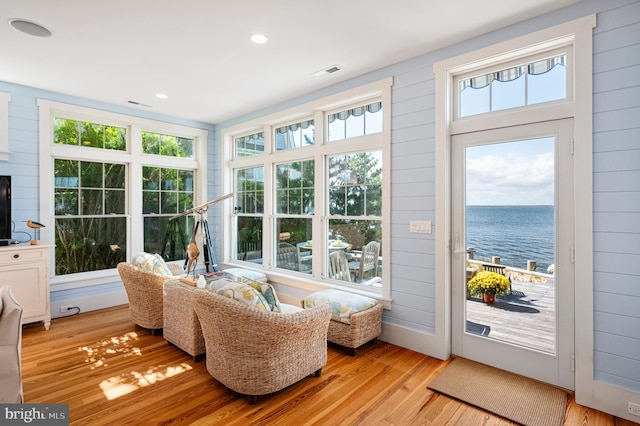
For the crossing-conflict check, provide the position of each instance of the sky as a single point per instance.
(512, 173)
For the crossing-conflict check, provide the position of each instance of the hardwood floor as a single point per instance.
(111, 372)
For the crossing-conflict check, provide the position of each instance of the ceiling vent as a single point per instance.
(328, 70)
(137, 103)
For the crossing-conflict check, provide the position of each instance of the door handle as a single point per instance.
(457, 244)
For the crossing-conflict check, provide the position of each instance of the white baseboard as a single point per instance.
(89, 303)
(415, 340)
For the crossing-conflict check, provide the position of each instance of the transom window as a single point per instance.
(306, 204)
(247, 146)
(168, 145)
(92, 135)
(354, 122)
(295, 135)
(542, 80)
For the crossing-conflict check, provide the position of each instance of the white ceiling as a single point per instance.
(198, 52)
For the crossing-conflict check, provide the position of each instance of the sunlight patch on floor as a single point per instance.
(116, 387)
(103, 350)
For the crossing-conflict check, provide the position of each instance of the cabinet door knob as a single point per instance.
(15, 256)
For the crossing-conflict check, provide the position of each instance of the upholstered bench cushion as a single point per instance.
(289, 309)
(246, 273)
(343, 304)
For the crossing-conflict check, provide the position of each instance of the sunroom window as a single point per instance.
(90, 220)
(112, 198)
(248, 210)
(355, 215)
(315, 189)
(165, 193)
(294, 185)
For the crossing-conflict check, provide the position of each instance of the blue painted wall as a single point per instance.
(616, 194)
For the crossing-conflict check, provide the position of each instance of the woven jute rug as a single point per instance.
(505, 394)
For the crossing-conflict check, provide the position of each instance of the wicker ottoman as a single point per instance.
(181, 326)
(364, 322)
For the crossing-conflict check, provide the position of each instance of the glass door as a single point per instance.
(512, 270)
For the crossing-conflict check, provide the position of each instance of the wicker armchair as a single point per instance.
(256, 353)
(144, 290)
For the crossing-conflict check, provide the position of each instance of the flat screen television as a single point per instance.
(5, 207)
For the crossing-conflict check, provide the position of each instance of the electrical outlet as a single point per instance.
(634, 408)
(65, 308)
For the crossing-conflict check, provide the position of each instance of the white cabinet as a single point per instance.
(26, 269)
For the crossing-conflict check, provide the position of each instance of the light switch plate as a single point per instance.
(420, 226)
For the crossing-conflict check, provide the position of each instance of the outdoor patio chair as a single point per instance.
(368, 261)
(288, 257)
(339, 266)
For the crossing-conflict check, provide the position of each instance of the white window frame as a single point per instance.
(5, 98)
(134, 160)
(577, 34)
(318, 110)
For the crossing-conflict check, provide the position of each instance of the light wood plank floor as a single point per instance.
(111, 372)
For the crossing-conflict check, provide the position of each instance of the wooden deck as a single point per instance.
(526, 317)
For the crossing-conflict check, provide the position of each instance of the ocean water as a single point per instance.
(515, 233)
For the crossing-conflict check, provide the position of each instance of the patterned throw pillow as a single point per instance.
(151, 262)
(268, 292)
(343, 304)
(244, 293)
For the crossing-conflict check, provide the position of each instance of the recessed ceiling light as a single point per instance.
(29, 27)
(259, 39)
(161, 96)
